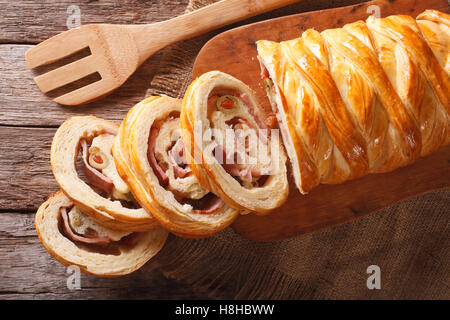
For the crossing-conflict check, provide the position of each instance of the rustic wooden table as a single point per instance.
(28, 120)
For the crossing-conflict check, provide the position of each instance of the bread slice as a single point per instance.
(115, 259)
(64, 152)
(259, 184)
(171, 193)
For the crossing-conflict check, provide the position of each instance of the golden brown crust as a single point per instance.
(68, 253)
(130, 153)
(368, 97)
(435, 16)
(435, 28)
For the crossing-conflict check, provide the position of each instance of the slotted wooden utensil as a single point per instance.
(118, 50)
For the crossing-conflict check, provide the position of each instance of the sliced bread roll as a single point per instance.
(150, 157)
(74, 238)
(104, 196)
(232, 148)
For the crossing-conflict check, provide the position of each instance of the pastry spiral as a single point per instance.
(150, 156)
(104, 196)
(365, 98)
(231, 148)
(73, 238)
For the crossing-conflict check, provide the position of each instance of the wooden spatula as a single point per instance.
(118, 50)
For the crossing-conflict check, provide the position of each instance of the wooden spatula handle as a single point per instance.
(189, 25)
(220, 14)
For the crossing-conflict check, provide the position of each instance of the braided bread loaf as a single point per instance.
(365, 98)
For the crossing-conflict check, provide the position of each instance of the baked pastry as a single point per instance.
(74, 238)
(368, 97)
(231, 148)
(435, 28)
(150, 157)
(102, 194)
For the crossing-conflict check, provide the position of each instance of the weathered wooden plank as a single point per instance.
(22, 104)
(25, 172)
(27, 271)
(34, 21)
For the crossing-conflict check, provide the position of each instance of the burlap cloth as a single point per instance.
(408, 241)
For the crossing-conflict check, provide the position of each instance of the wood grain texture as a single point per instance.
(22, 104)
(25, 168)
(234, 52)
(27, 271)
(25, 21)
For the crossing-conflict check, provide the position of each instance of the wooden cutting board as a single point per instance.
(234, 52)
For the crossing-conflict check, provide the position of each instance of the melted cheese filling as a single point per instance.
(187, 186)
(80, 223)
(250, 153)
(104, 142)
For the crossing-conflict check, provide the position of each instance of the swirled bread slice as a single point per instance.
(104, 196)
(232, 149)
(150, 157)
(73, 238)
